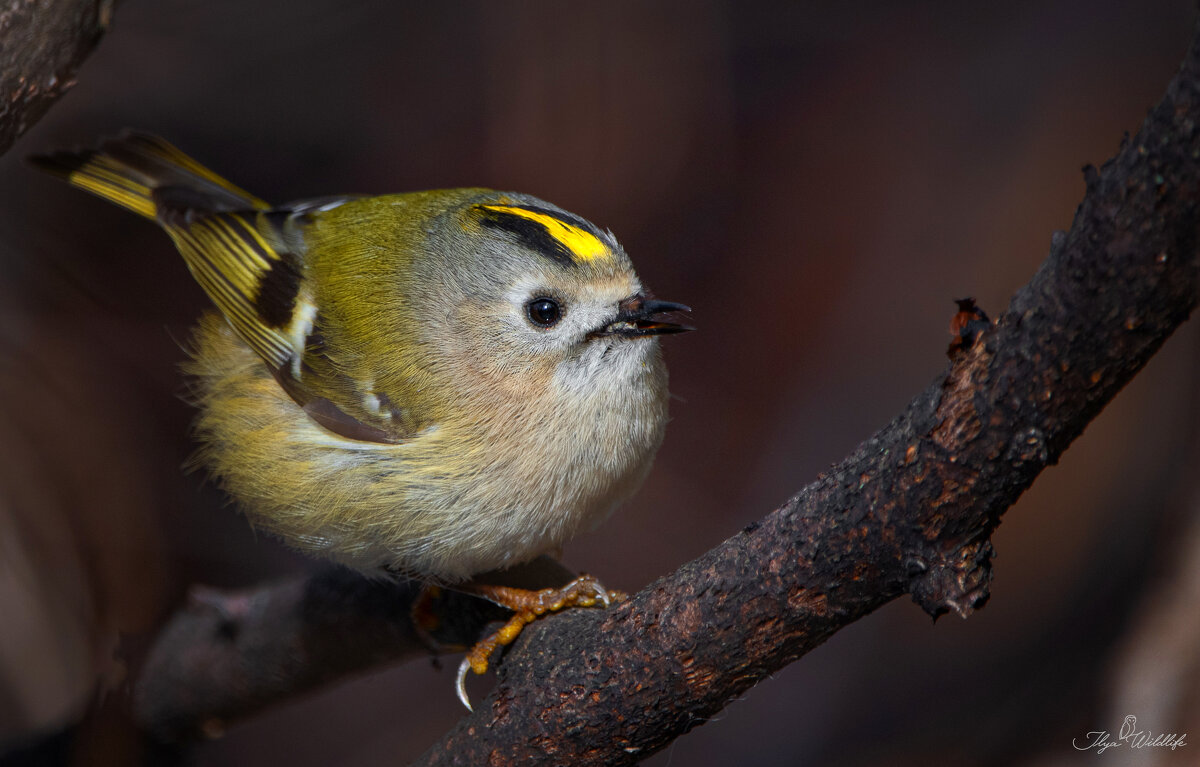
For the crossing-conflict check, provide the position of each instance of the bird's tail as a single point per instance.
(148, 176)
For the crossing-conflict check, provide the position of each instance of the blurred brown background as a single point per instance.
(819, 180)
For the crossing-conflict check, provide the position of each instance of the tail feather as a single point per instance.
(232, 247)
(149, 176)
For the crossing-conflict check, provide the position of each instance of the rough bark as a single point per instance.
(44, 42)
(911, 511)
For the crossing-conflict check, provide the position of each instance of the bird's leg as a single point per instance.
(527, 606)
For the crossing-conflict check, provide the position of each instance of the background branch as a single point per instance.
(227, 655)
(911, 511)
(45, 41)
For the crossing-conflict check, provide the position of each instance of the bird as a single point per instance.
(431, 384)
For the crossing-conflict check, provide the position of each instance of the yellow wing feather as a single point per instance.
(228, 243)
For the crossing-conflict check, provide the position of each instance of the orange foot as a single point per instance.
(527, 606)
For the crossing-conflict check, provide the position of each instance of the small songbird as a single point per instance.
(437, 383)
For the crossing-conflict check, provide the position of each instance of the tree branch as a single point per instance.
(45, 41)
(228, 655)
(911, 511)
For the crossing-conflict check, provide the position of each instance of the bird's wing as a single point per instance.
(247, 256)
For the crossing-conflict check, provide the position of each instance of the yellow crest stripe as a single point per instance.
(582, 244)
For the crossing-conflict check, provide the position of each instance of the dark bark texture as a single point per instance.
(911, 511)
(43, 44)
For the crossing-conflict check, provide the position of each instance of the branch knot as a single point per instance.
(957, 581)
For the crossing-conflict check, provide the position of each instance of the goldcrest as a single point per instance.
(439, 383)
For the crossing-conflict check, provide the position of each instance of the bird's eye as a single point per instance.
(544, 312)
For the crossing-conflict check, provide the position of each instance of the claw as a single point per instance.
(460, 683)
(528, 606)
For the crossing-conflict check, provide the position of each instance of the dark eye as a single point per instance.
(544, 312)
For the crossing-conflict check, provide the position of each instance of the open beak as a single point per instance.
(638, 316)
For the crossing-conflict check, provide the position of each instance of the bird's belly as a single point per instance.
(447, 504)
(522, 502)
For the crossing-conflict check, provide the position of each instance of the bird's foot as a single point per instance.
(527, 606)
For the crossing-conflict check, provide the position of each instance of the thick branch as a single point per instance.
(45, 41)
(911, 511)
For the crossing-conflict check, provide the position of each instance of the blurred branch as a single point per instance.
(227, 655)
(911, 511)
(45, 41)
(1156, 666)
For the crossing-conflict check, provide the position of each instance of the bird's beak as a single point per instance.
(638, 316)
